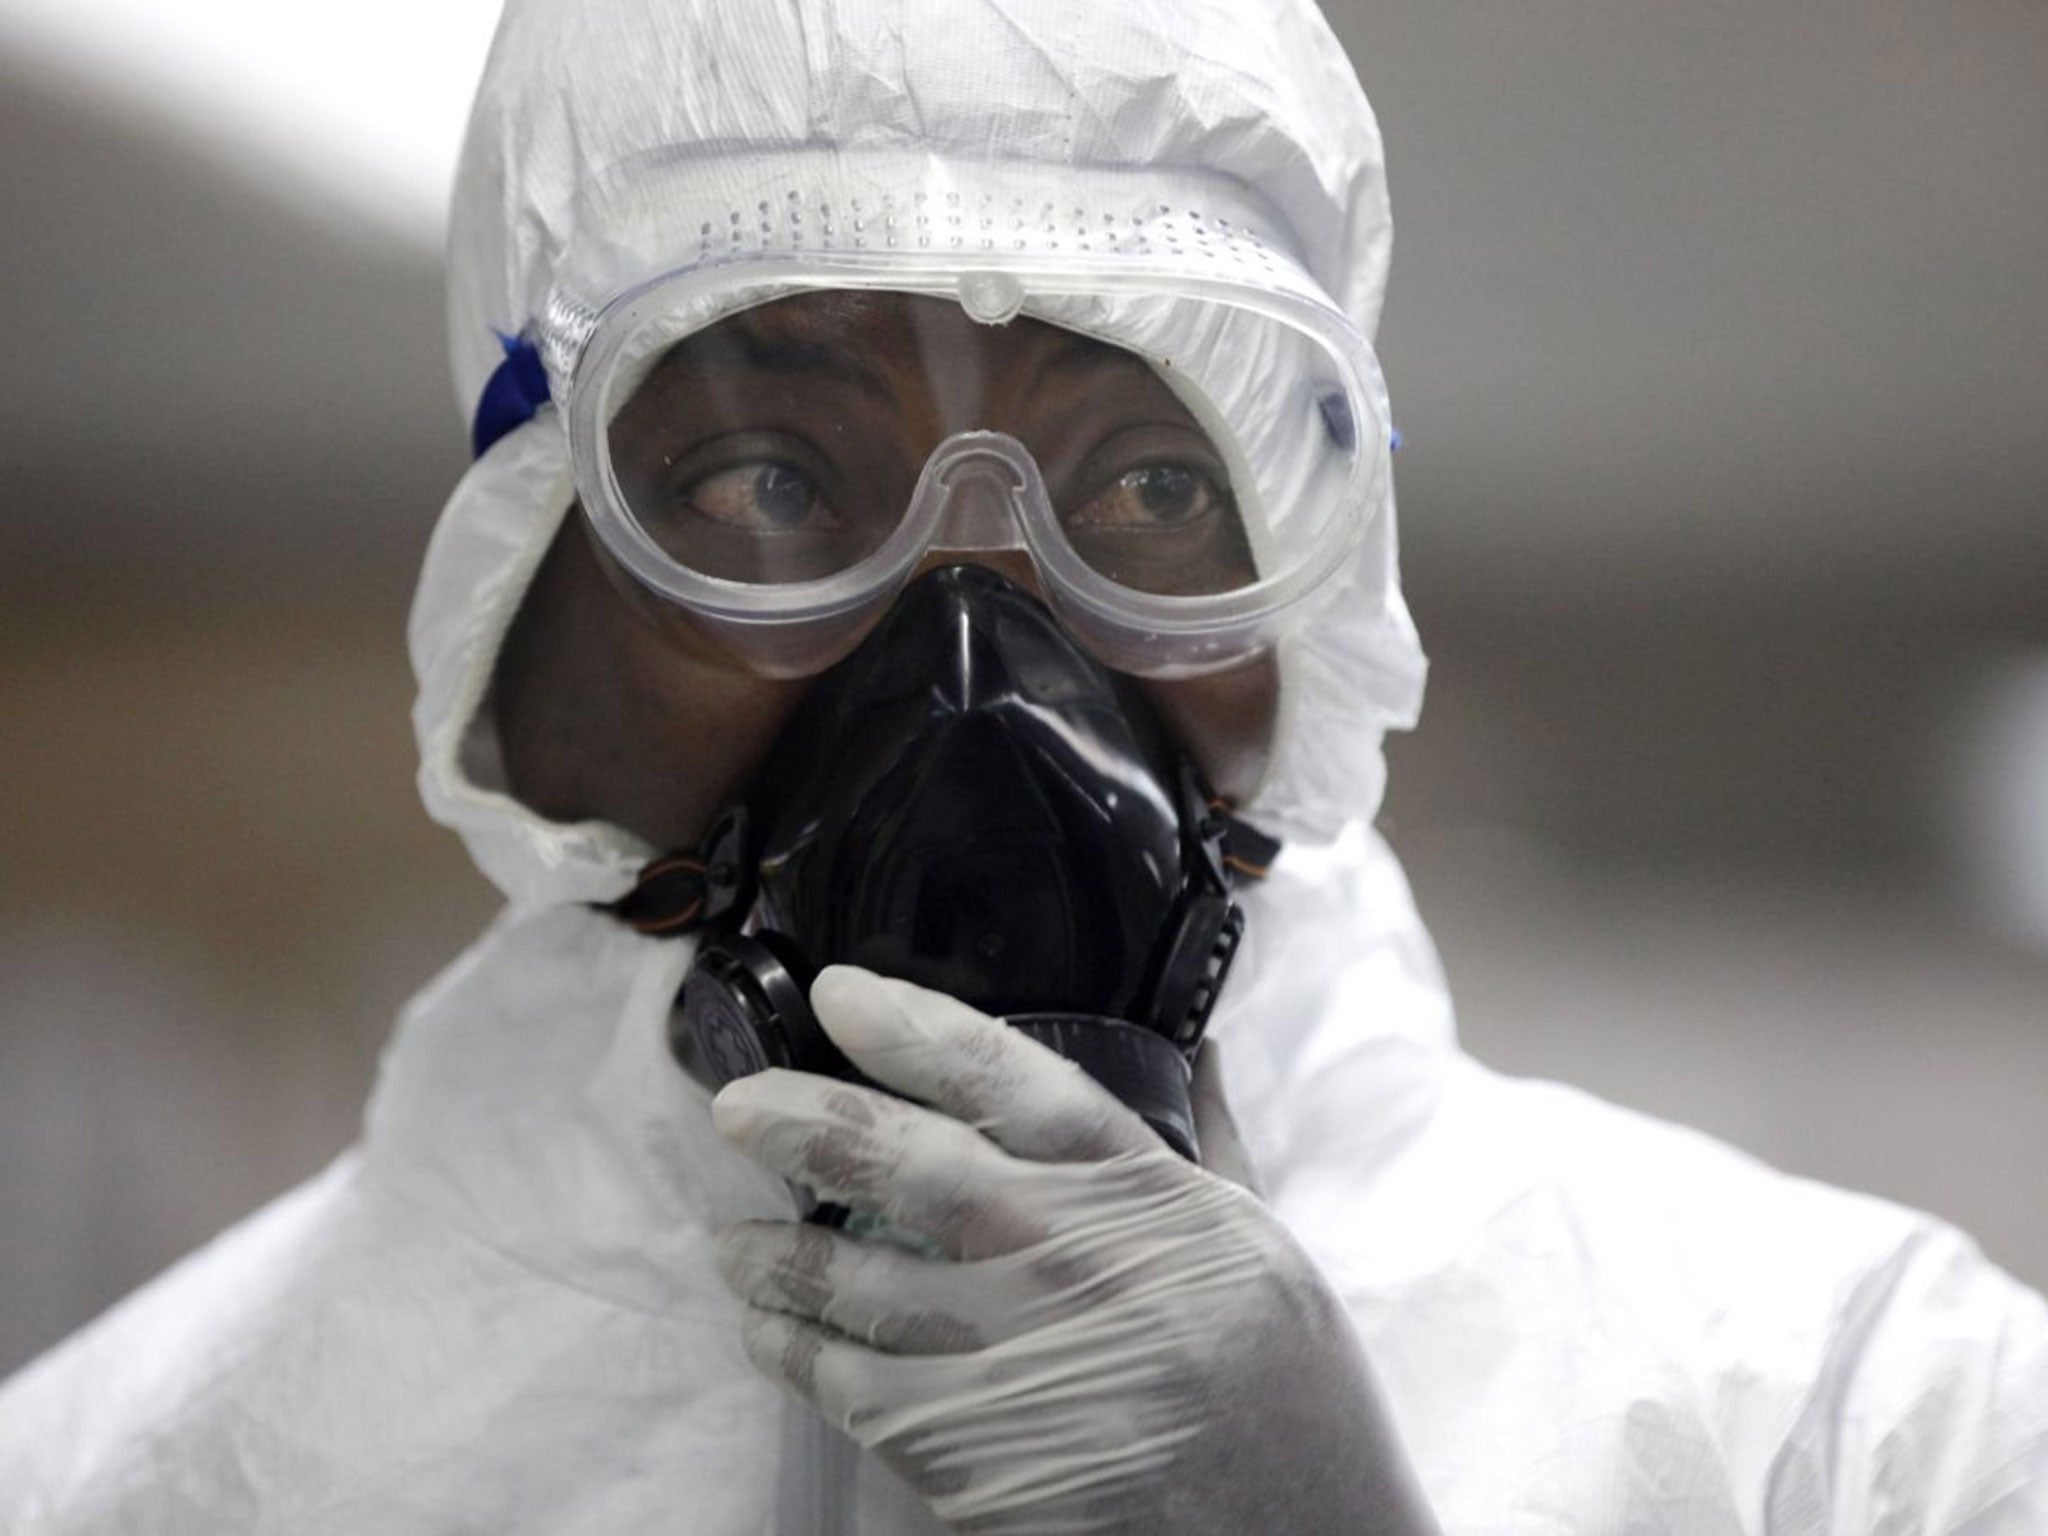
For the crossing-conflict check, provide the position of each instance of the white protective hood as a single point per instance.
(574, 92)
(499, 1312)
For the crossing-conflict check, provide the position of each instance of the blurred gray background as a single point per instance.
(1718, 337)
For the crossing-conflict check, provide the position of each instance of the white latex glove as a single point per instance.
(1115, 1339)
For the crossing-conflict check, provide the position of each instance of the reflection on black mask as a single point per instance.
(970, 802)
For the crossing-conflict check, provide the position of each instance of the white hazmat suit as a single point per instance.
(500, 1311)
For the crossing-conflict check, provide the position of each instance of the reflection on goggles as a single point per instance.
(786, 444)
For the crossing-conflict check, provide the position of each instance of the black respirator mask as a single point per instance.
(970, 802)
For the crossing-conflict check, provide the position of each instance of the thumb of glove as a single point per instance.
(1223, 1150)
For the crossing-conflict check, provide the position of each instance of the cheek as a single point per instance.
(1225, 721)
(689, 730)
(616, 711)
(694, 724)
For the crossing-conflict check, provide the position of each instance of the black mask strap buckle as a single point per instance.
(1201, 937)
(680, 892)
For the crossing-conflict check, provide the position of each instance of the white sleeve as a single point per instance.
(1931, 1411)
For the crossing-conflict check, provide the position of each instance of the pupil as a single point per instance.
(783, 495)
(1167, 492)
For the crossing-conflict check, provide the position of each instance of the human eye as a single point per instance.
(760, 496)
(1153, 498)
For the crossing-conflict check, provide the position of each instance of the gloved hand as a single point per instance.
(1113, 1339)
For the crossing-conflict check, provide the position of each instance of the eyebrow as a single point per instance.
(740, 349)
(1084, 354)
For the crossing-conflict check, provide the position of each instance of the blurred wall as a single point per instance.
(1717, 339)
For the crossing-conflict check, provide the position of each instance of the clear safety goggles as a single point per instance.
(777, 442)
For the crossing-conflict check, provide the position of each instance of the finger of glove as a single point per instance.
(1029, 1100)
(1223, 1150)
(873, 1292)
(849, 1383)
(910, 1165)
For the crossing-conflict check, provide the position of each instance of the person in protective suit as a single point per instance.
(913, 649)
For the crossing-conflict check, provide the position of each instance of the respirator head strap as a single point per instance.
(1248, 853)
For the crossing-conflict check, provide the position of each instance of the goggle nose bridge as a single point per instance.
(979, 491)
